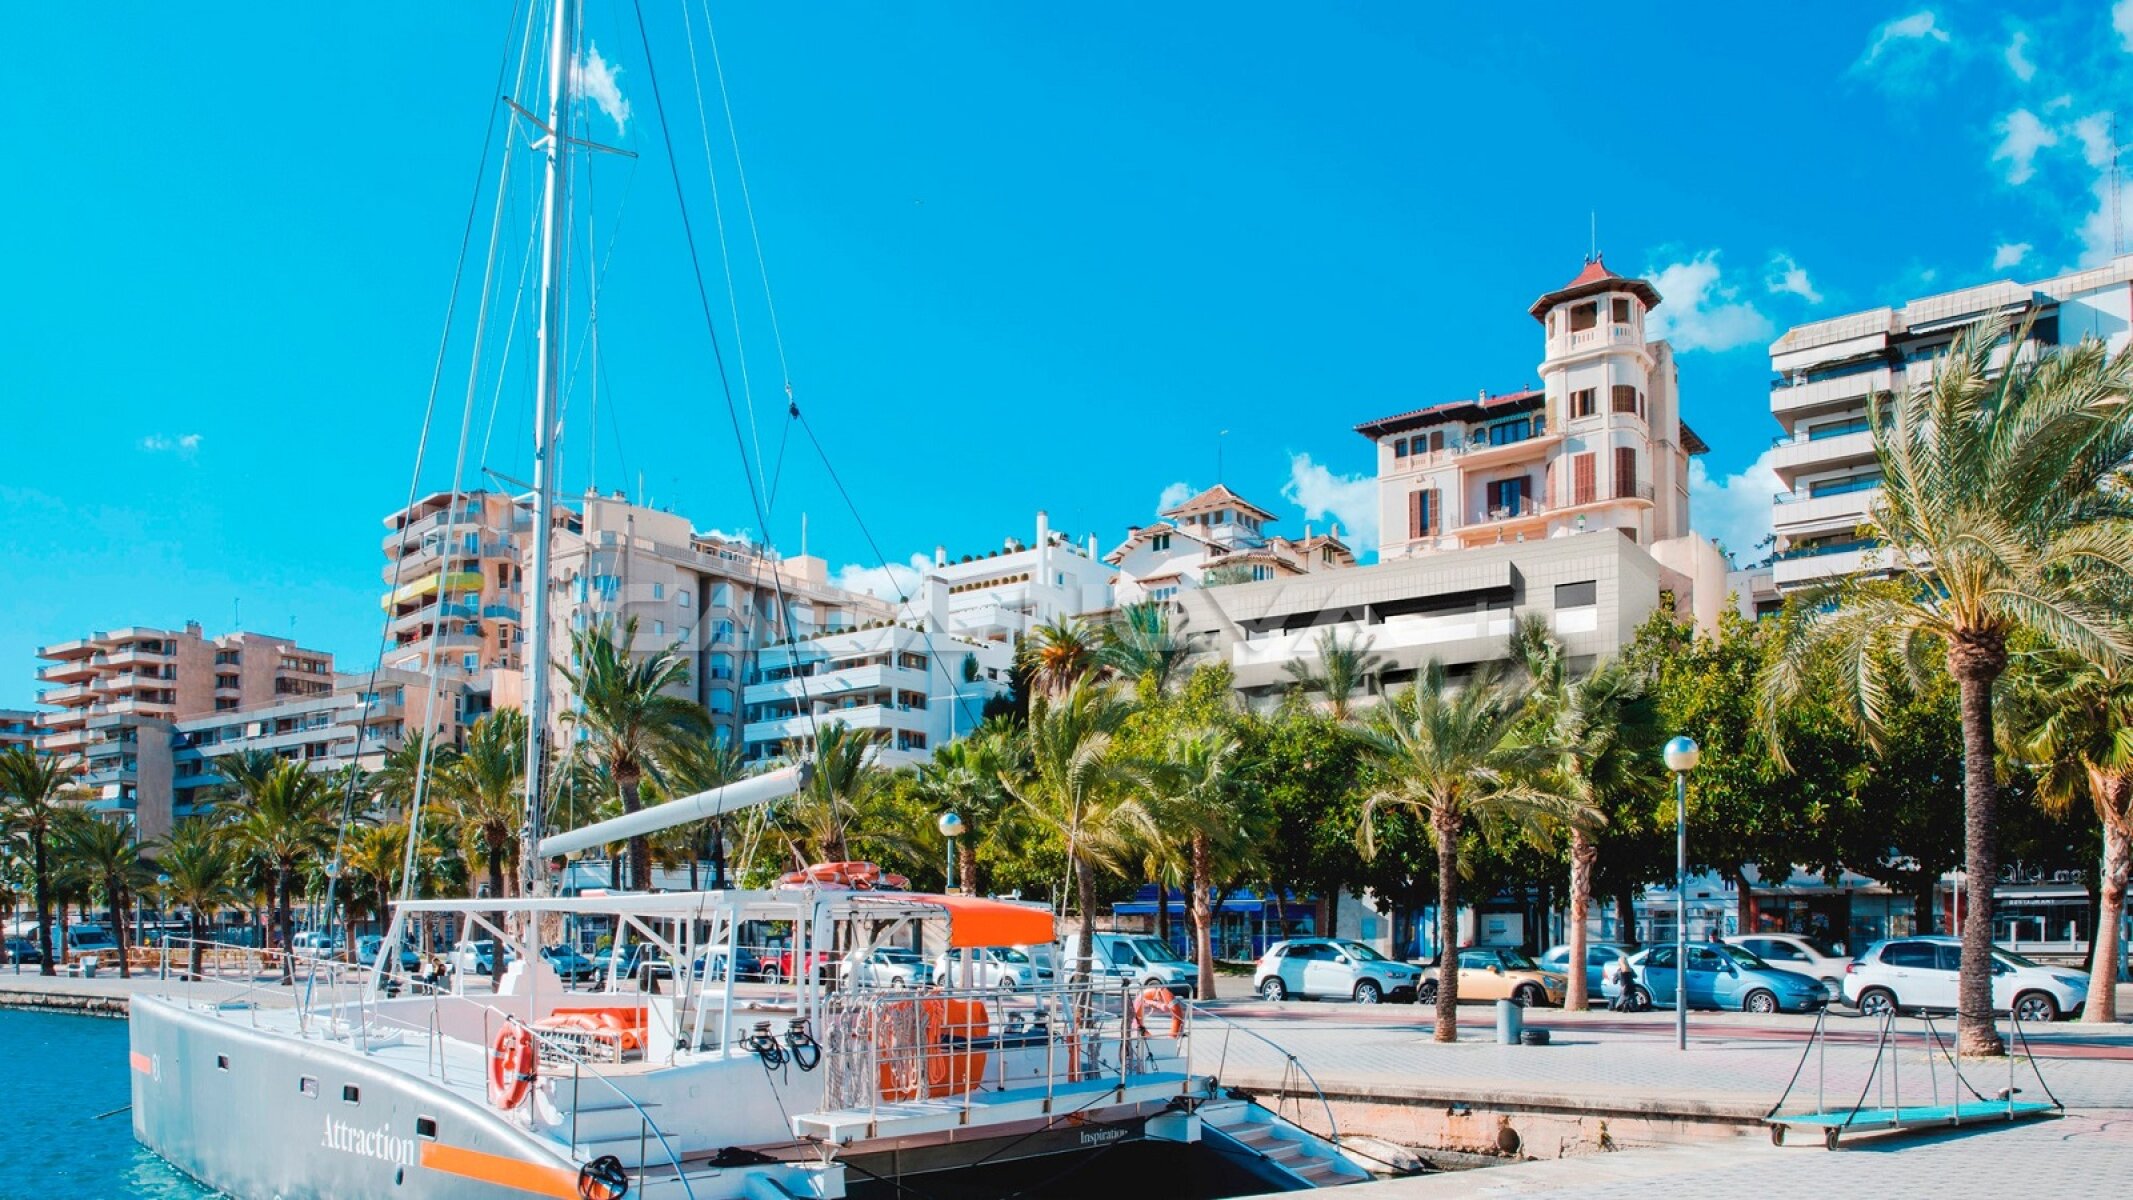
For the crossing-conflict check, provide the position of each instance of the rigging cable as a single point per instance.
(444, 341)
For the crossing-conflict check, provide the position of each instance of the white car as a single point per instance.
(991, 967)
(1922, 972)
(1141, 959)
(882, 966)
(1333, 968)
(309, 944)
(1800, 954)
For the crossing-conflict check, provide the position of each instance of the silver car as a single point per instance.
(1333, 967)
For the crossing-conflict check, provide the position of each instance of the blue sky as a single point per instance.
(1024, 256)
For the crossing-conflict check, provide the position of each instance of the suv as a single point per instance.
(1501, 973)
(1602, 960)
(1922, 972)
(991, 967)
(24, 951)
(1797, 952)
(1309, 967)
(1139, 958)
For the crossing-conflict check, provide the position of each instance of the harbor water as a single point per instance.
(64, 1074)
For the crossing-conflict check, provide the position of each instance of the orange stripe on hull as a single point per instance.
(537, 1178)
(142, 1063)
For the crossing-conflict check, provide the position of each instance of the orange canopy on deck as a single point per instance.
(974, 921)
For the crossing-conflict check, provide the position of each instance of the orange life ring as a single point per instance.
(1158, 999)
(513, 1065)
(893, 882)
(917, 1042)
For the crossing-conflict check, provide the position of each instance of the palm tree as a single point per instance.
(1193, 797)
(32, 787)
(1344, 667)
(483, 793)
(1058, 653)
(106, 856)
(700, 766)
(821, 813)
(394, 783)
(1144, 645)
(202, 871)
(288, 819)
(963, 777)
(1994, 525)
(628, 714)
(377, 854)
(1457, 759)
(2074, 719)
(1608, 727)
(1071, 783)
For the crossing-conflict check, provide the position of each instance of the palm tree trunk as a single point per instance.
(1584, 852)
(284, 923)
(1447, 830)
(123, 928)
(1975, 662)
(1203, 916)
(1085, 893)
(43, 870)
(718, 853)
(199, 928)
(1162, 910)
(640, 846)
(966, 866)
(2110, 795)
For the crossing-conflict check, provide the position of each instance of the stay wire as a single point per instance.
(703, 298)
(429, 409)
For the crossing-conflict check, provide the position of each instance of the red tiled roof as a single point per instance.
(1449, 410)
(1594, 278)
(1218, 496)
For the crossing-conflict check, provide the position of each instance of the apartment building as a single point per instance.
(365, 717)
(453, 572)
(1000, 595)
(165, 675)
(717, 599)
(18, 727)
(1824, 372)
(1216, 537)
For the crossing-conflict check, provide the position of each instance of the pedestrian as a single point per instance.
(1623, 1001)
(1712, 936)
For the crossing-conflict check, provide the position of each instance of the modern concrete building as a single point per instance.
(453, 575)
(1000, 595)
(1216, 536)
(166, 675)
(717, 599)
(1824, 372)
(18, 727)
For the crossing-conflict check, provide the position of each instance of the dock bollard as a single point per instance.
(1510, 1022)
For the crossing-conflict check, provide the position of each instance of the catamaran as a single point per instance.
(692, 1067)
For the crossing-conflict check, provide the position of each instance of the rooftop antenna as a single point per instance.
(1592, 253)
(2118, 217)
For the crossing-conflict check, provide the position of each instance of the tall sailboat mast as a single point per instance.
(547, 380)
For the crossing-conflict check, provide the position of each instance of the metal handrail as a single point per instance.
(1199, 1011)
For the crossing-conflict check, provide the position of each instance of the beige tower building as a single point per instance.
(453, 577)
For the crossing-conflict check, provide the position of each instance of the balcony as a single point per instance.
(1794, 511)
(829, 684)
(66, 697)
(1790, 456)
(1587, 341)
(1474, 456)
(62, 742)
(1844, 390)
(1525, 509)
(134, 656)
(71, 671)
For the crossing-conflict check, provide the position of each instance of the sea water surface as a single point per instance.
(62, 1074)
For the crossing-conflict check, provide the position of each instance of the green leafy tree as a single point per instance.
(964, 777)
(1072, 783)
(1058, 653)
(629, 714)
(287, 820)
(1459, 759)
(696, 766)
(1343, 668)
(483, 789)
(106, 857)
(1146, 645)
(201, 871)
(1195, 798)
(33, 788)
(1994, 524)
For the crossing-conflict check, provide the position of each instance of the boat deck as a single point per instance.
(906, 1118)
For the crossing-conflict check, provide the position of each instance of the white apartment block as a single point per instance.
(1825, 371)
(1219, 536)
(1002, 594)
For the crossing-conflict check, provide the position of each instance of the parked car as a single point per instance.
(368, 946)
(1008, 967)
(1822, 959)
(478, 957)
(1601, 960)
(1500, 973)
(1333, 967)
(882, 966)
(1922, 972)
(711, 960)
(569, 963)
(1719, 976)
(786, 962)
(96, 939)
(25, 952)
(309, 944)
(1139, 958)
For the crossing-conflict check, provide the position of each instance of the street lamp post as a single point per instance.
(951, 827)
(1682, 754)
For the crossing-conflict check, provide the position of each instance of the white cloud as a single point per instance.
(892, 582)
(2022, 135)
(2094, 134)
(1734, 511)
(2018, 57)
(1174, 495)
(1900, 46)
(593, 77)
(2122, 21)
(1351, 500)
(2099, 241)
(1788, 277)
(2010, 254)
(1701, 313)
(184, 445)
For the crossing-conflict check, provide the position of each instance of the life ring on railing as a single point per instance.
(513, 1066)
(1158, 999)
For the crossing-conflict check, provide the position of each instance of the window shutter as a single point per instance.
(1435, 513)
(1625, 472)
(1415, 514)
(1581, 472)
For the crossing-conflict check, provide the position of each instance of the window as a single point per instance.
(426, 1128)
(1582, 488)
(1626, 399)
(1849, 483)
(1947, 958)
(722, 632)
(659, 629)
(1584, 316)
(1625, 472)
(1160, 541)
(308, 1086)
(1510, 431)
(1907, 954)
(659, 591)
(681, 598)
(1164, 593)
(722, 596)
(1436, 440)
(222, 1062)
(721, 666)
(1621, 311)
(1577, 595)
(1506, 497)
(1423, 516)
(721, 701)
(1399, 448)
(1584, 402)
(1777, 951)
(351, 1094)
(606, 586)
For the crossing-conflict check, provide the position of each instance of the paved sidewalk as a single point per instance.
(109, 995)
